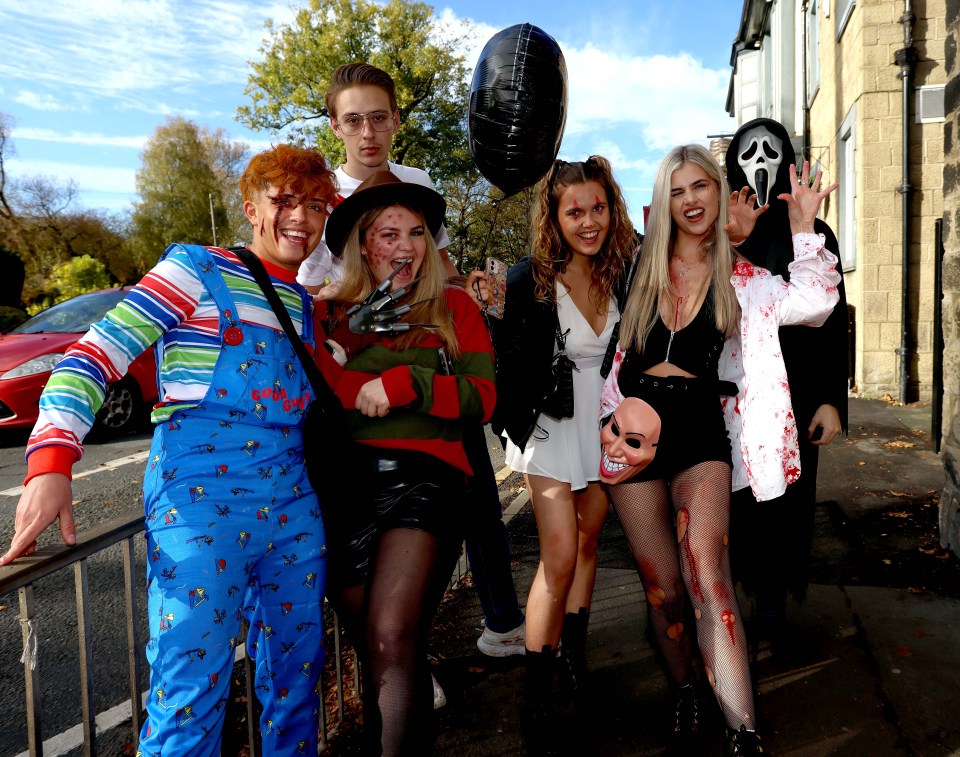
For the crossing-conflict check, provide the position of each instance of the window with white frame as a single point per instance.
(812, 51)
(930, 104)
(844, 9)
(847, 176)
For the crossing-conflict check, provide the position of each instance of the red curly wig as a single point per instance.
(301, 171)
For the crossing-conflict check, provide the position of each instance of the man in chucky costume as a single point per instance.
(233, 526)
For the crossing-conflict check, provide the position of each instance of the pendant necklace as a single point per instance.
(681, 273)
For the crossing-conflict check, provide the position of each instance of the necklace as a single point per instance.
(679, 270)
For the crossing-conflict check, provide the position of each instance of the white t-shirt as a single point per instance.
(322, 264)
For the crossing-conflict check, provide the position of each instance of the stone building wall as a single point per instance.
(950, 499)
(858, 71)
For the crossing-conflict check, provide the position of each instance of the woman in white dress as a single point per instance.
(562, 298)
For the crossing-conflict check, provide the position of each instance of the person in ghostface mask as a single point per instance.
(770, 541)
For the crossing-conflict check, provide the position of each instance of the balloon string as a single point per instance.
(493, 223)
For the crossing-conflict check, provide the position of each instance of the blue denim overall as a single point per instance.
(234, 530)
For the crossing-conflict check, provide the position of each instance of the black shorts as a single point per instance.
(692, 430)
(393, 489)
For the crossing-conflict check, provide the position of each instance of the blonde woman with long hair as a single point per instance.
(567, 292)
(409, 388)
(666, 450)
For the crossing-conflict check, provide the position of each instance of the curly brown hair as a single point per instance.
(549, 252)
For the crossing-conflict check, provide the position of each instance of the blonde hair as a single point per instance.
(549, 252)
(652, 279)
(358, 281)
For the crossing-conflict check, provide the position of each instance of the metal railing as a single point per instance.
(122, 531)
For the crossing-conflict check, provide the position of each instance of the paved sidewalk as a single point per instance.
(871, 665)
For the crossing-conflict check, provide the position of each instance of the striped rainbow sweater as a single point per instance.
(170, 308)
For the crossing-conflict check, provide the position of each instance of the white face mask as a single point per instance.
(760, 156)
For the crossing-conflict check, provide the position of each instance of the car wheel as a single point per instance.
(121, 411)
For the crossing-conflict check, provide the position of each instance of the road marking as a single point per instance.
(137, 457)
(503, 473)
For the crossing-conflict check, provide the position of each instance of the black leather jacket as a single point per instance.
(524, 342)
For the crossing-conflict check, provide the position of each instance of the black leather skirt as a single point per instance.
(394, 489)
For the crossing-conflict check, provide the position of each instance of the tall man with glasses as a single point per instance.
(362, 105)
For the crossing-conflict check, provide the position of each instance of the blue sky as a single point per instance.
(86, 82)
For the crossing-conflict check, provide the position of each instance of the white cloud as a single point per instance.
(78, 138)
(88, 178)
(41, 102)
(109, 47)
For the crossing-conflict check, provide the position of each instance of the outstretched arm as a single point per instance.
(804, 199)
(45, 498)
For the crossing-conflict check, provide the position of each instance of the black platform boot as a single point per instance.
(744, 742)
(537, 720)
(573, 652)
(685, 738)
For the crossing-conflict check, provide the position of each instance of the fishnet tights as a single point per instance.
(678, 537)
(389, 622)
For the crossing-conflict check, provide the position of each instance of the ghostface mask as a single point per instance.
(760, 156)
(628, 440)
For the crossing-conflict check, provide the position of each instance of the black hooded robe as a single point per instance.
(770, 541)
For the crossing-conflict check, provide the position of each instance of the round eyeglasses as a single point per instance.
(352, 123)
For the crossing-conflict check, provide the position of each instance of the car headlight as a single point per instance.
(41, 364)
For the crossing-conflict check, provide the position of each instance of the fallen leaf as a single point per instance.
(897, 514)
(861, 463)
(898, 444)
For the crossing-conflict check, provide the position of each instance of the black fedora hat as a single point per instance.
(380, 190)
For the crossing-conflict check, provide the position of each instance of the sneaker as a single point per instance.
(744, 742)
(439, 698)
(504, 644)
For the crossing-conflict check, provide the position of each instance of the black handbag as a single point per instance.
(326, 444)
(558, 402)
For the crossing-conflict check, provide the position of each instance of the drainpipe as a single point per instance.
(805, 148)
(905, 57)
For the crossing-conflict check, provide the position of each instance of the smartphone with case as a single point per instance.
(497, 284)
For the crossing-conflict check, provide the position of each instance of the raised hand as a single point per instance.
(803, 202)
(742, 215)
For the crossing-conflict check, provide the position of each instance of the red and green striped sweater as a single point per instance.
(428, 409)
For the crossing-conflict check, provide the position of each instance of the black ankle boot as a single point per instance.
(685, 738)
(573, 651)
(537, 721)
(744, 742)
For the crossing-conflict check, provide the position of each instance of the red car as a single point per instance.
(29, 352)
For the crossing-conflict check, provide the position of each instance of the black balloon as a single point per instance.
(518, 107)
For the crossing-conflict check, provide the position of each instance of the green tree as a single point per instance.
(79, 275)
(287, 87)
(480, 223)
(184, 168)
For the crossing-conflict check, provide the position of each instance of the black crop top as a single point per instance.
(695, 348)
